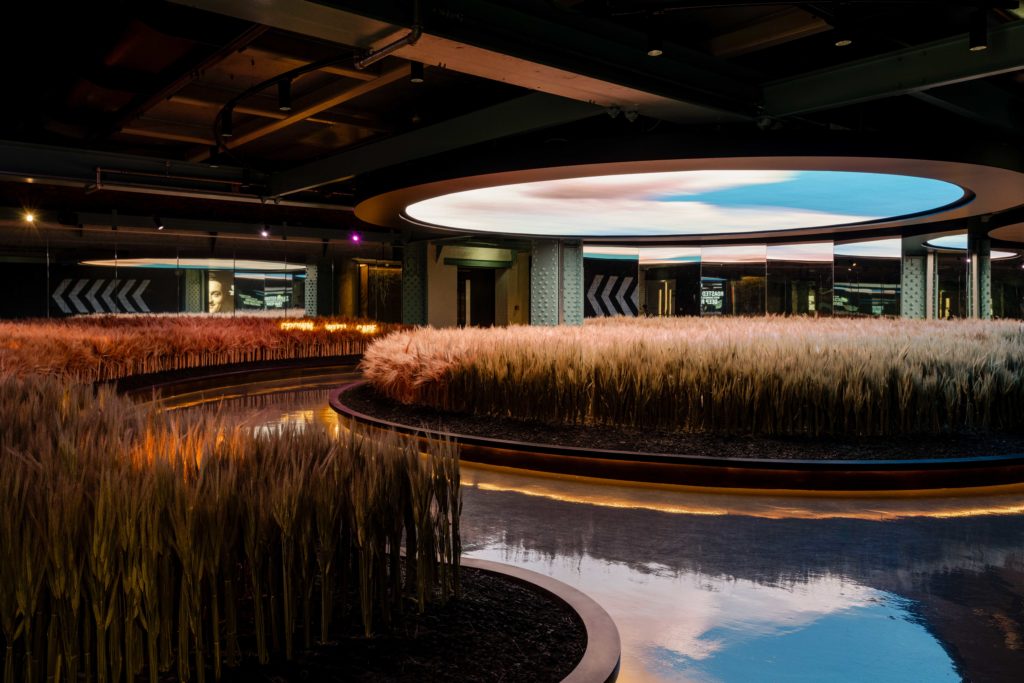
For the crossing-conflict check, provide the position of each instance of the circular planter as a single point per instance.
(600, 663)
(717, 472)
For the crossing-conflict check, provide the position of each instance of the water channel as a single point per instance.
(733, 587)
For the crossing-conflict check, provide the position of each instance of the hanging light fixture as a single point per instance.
(978, 35)
(416, 72)
(284, 95)
(842, 36)
(654, 45)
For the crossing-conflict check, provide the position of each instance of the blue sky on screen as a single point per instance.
(686, 203)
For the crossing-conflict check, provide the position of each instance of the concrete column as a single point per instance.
(556, 283)
(979, 284)
(544, 283)
(414, 284)
(572, 283)
(914, 286)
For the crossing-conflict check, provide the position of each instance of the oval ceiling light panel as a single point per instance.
(686, 203)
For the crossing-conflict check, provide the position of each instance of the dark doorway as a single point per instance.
(476, 297)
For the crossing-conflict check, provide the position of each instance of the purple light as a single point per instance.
(355, 237)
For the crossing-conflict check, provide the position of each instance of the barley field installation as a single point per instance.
(762, 376)
(95, 348)
(138, 544)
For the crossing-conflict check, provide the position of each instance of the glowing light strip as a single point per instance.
(310, 326)
(197, 263)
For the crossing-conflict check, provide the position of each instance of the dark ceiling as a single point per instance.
(146, 87)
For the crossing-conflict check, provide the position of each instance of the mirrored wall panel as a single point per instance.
(799, 279)
(732, 280)
(867, 278)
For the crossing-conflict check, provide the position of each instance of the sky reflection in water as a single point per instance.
(716, 587)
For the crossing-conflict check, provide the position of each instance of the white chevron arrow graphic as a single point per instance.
(91, 296)
(73, 296)
(592, 295)
(606, 294)
(123, 297)
(108, 298)
(138, 297)
(57, 296)
(621, 296)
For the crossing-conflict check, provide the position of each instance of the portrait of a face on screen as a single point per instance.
(220, 287)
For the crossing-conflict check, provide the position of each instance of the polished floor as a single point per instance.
(731, 587)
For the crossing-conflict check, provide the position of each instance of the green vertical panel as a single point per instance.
(544, 289)
(312, 309)
(414, 284)
(985, 277)
(194, 291)
(912, 287)
(572, 283)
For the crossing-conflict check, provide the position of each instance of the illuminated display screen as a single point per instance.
(686, 203)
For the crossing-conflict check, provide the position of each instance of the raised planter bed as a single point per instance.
(817, 474)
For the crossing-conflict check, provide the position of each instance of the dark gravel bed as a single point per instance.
(365, 400)
(499, 630)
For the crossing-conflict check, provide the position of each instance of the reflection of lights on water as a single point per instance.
(872, 506)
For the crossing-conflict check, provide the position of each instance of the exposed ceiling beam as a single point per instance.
(981, 102)
(335, 69)
(506, 43)
(309, 108)
(910, 70)
(790, 23)
(167, 135)
(185, 74)
(530, 112)
(79, 168)
(332, 119)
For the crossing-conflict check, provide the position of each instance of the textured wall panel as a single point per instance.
(312, 309)
(544, 288)
(414, 284)
(912, 287)
(194, 291)
(572, 283)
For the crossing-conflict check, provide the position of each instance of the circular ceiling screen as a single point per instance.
(681, 203)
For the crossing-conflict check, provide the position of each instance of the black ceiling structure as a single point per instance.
(291, 112)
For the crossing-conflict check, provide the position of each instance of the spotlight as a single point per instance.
(843, 38)
(30, 217)
(284, 95)
(654, 45)
(416, 72)
(356, 238)
(978, 36)
(226, 127)
(265, 231)
(158, 223)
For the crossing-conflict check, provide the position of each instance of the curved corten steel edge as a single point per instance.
(695, 470)
(600, 662)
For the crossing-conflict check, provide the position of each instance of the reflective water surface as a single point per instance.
(735, 587)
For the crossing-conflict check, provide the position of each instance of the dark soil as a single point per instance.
(959, 445)
(498, 630)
